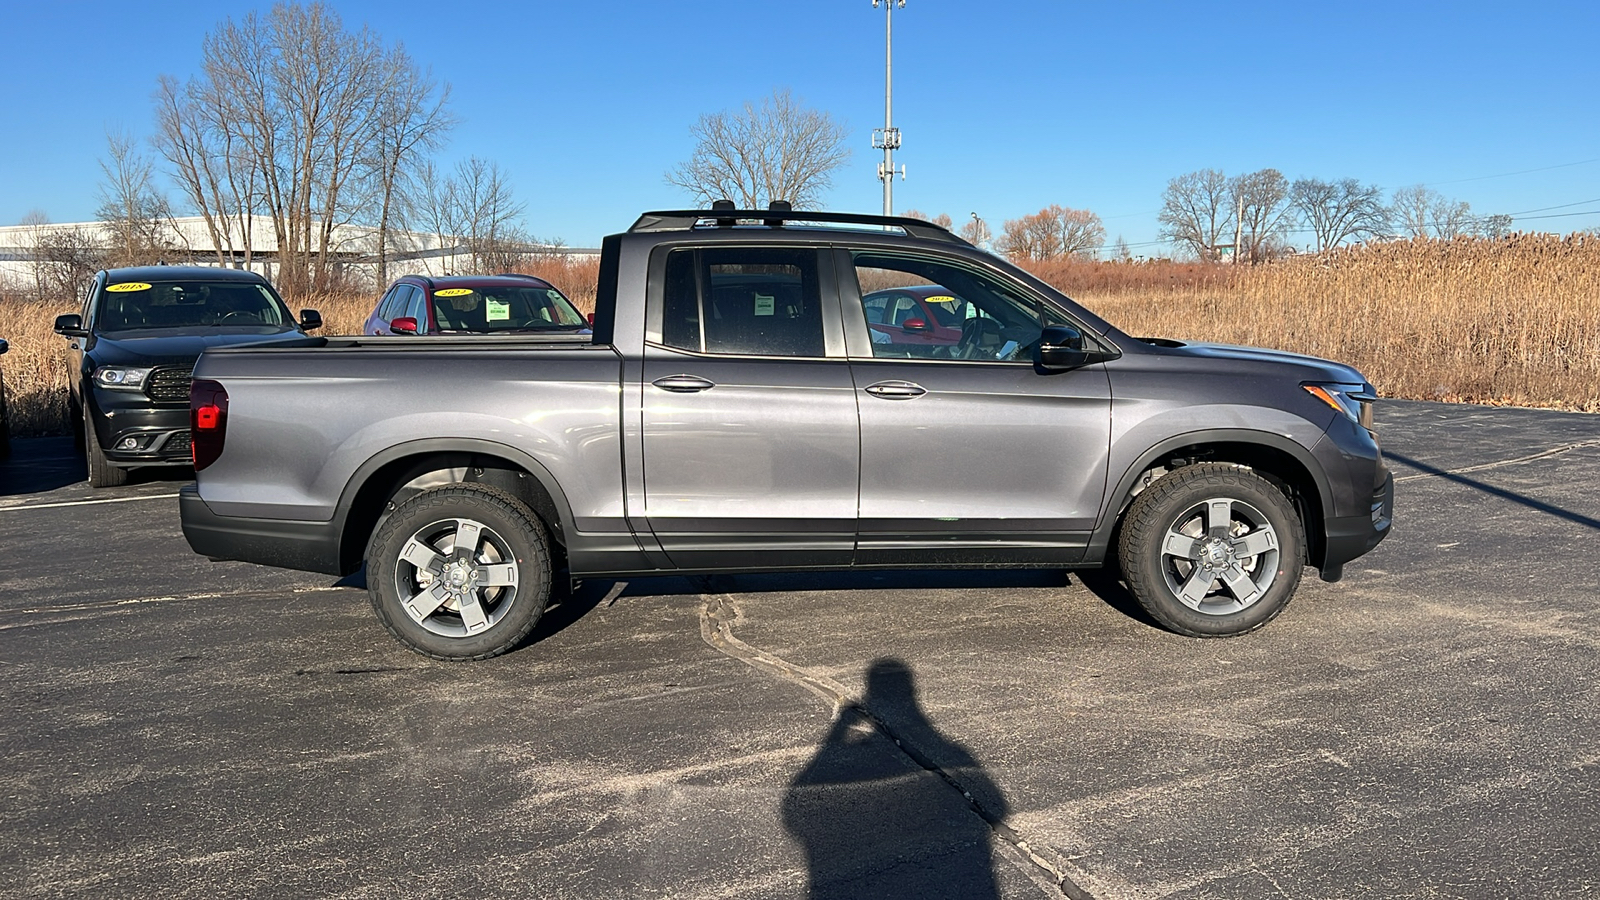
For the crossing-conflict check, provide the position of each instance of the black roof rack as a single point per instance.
(686, 219)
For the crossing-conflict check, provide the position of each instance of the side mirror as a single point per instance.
(915, 325)
(70, 326)
(1062, 347)
(310, 319)
(403, 325)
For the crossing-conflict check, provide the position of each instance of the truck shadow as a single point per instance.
(41, 465)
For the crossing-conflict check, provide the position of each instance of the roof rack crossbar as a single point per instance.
(687, 219)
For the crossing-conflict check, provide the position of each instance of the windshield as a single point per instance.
(505, 308)
(186, 304)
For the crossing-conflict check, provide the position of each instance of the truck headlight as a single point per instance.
(126, 378)
(1354, 400)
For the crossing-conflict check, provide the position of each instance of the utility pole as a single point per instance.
(887, 138)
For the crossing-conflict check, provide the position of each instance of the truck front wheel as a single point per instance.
(1212, 550)
(460, 572)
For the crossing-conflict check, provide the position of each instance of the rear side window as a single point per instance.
(754, 301)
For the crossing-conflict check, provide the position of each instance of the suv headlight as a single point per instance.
(126, 378)
(1354, 400)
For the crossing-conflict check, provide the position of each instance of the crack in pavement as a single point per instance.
(718, 615)
(1553, 451)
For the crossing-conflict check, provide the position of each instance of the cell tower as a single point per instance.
(887, 138)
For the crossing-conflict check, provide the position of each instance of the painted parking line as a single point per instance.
(22, 506)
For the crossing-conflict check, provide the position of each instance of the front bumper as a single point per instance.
(291, 544)
(134, 431)
(1348, 537)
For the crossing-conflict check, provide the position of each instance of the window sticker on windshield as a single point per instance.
(942, 298)
(496, 310)
(453, 292)
(127, 286)
(765, 304)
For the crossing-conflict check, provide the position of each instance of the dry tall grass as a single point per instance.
(1514, 321)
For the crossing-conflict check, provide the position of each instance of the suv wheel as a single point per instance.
(460, 572)
(101, 472)
(1212, 550)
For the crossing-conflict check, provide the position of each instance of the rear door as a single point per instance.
(749, 427)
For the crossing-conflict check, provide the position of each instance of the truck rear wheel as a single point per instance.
(1212, 550)
(460, 572)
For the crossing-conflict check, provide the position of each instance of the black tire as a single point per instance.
(426, 607)
(1198, 577)
(102, 473)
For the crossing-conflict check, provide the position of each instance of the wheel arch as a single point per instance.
(367, 498)
(1282, 460)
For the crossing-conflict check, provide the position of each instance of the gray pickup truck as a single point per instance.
(770, 390)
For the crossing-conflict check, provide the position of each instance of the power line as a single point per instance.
(1581, 162)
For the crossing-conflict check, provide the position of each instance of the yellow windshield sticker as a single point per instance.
(127, 286)
(453, 292)
(496, 310)
(941, 299)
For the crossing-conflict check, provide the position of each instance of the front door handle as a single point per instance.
(682, 384)
(895, 390)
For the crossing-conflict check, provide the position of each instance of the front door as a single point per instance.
(749, 413)
(969, 454)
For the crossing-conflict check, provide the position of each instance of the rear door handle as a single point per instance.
(682, 384)
(895, 390)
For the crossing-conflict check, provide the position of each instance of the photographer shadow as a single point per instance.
(890, 808)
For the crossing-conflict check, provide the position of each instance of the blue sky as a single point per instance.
(1005, 107)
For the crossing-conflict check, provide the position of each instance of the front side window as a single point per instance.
(129, 306)
(928, 309)
(759, 301)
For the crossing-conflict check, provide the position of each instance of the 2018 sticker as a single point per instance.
(127, 286)
(453, 292)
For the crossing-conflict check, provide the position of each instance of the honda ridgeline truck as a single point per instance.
(756, 397)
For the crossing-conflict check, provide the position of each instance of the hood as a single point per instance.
(1314, 368)
(182, 346)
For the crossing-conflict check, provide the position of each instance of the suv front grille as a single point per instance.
(169, 384)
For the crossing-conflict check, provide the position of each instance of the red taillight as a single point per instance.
(208, 421)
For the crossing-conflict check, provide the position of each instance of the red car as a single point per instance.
(474, 304)
(924, 315)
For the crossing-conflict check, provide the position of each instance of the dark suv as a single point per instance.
(474, 304)
(134, 347)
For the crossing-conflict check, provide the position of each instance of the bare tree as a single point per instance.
(37, 222)
(1120, 251)
(137, 217)
(1196, 211)
(1420, 211)
(1494, 227)
(1051, 232)
(778, 150)
(473, 210)
(412, 119)
(65, 258)
(487, 214)
(283, 121)
(1261, 206)
(1339, 211)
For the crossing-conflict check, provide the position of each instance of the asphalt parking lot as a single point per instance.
(1427, 728)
